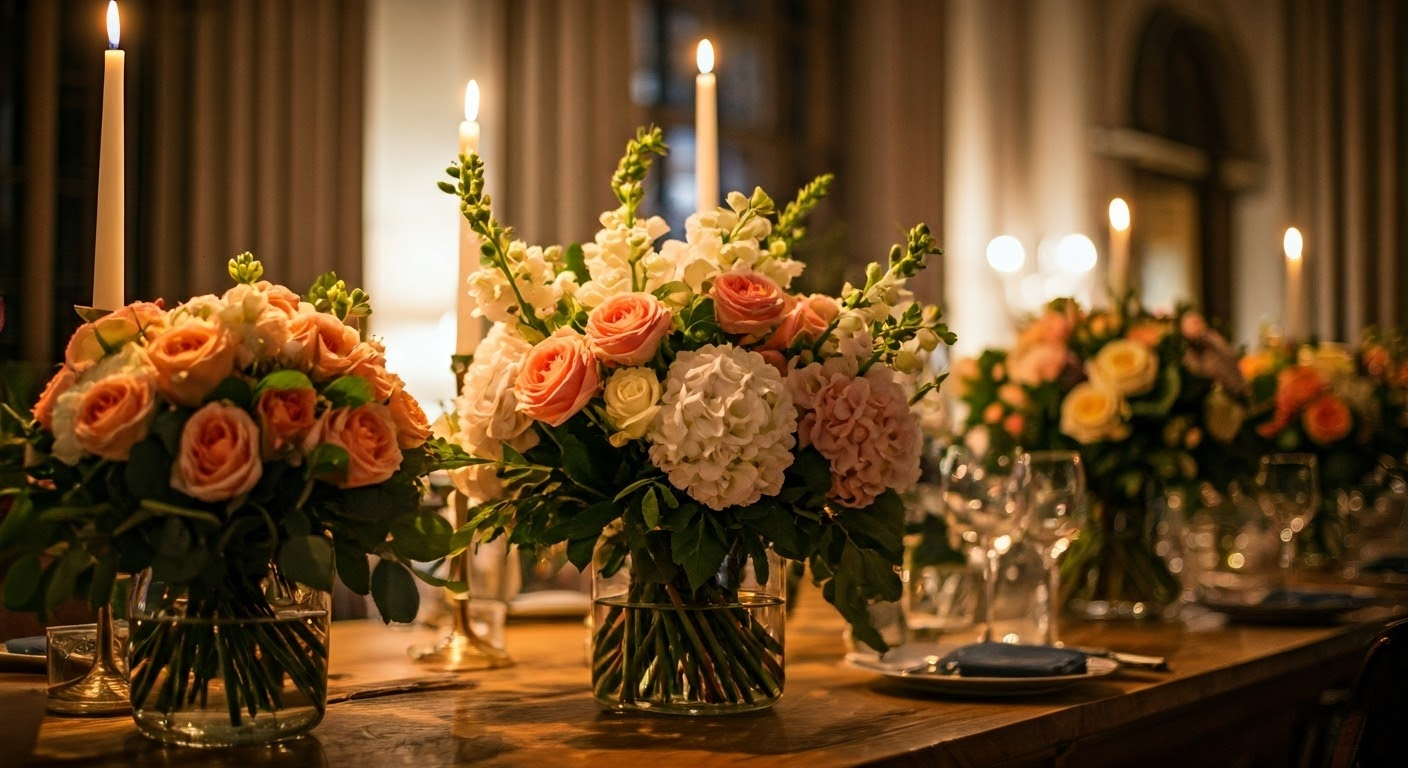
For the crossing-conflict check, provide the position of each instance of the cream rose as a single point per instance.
(219, 455)
(368, 434)
(113, 415)
(632, 399)
(1093, 412)
(1127, 367)
(191, 359)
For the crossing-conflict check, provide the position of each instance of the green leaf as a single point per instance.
(100, 586)
(650, 509)
(699, 549)
(429, 577)
(308, 560)
(880, 524)
(352, 567)
(348, 391)
(63, 576)
(422, 537)
(579, 552)
(167, 426)
(286, 378)
(22, 582)
(574, 260)
(148, 470)
(327, 459)
(234, 389)
(394, 592)
(587, 522)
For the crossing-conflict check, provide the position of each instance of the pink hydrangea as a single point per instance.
(863, 426)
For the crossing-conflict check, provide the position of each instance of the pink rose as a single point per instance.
(412, 428)
(626, 329)
(808, 319)
(219, 455)
(558, 378)
(92, 341)
(285, 416)
(1037, 364)
(191, 359)
(368, 434)
(747, 303)
(58, 384)
(113, 415)
(323, 342)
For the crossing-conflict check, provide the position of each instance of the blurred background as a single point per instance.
(312, 133)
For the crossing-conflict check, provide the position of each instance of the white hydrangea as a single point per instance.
(488, 411)
(608, 258)
(536, 275)
(726, 427)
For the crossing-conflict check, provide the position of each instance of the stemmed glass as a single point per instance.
(1288, 490)
(983, 495)
(1055, 512)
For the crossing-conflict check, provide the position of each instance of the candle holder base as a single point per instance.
(458, 652)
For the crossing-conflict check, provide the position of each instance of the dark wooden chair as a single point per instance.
(1374, 728)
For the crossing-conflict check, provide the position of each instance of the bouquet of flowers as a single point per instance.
(229, 449)
(672, 405)
(1151, 402)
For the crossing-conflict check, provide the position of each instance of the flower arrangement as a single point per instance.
(228, 448)
(1152, 403)
(675, 404)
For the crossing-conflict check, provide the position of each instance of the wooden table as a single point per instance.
(1236, 695)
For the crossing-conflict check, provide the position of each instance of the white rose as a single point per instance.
(487, 406)
(1127, 367)
(632, 399)
(1093, 412)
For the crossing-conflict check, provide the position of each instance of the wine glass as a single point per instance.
(1056, 510)
(1288, 490)
(983, 496)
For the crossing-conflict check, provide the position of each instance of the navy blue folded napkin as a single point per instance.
(1387, 564)
(30, 646)
(1011, 660)
(1307, 598)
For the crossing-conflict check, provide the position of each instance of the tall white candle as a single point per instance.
(1293, 244)
(108, 252)
(469, 330)
(1119, 247)
(706, 129)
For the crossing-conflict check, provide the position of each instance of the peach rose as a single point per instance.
(1376, 360)
(992, 414)
(321, 343)
(558, 378)
(92, 341)
(747, 303)
(58, 384)
(1036, 364)
(219, 455)
(626, 329)
(776, 359)
(279, 297)
(285, 416)
(1051, 327)
(368, 434)
(1014, 424)
(412, 428)
(368, 360)
(1148, 333)
(113, 414)
(808, 319)
(1326, 420)
(191, 359)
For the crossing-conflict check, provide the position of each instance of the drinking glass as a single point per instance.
(983, 497)
(1288, 490)
(1056, 509)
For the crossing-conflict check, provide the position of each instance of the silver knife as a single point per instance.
(1130, 660)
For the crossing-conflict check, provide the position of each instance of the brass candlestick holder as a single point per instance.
(102, 690)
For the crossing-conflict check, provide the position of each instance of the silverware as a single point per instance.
(1129, 660)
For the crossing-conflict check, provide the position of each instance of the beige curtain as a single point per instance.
(249, 137)
(1346, 63)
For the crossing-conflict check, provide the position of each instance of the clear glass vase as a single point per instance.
(1113, 570)
(662, 647)
(248, 665)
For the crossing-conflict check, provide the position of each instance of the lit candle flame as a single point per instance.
(113, 26)
(1293, 244)
(705, 56)
(1119, 214)
(471, 101)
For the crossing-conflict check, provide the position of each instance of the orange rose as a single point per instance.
(191, 359)
(113, 415)
(219, 455)
(324, 343)
(808, 319)
(368, 434)
(368, 360)
(1326, 420)
(1014, 424)
(1148, 333)
(44, 408)
(285, 416)
(109, 333)
(412, 428)
(559, 376)
(626, 329)
(1295, 387)
(747, 303)
(279, 297)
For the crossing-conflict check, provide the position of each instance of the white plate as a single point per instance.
(1320, 607)
(910, 656)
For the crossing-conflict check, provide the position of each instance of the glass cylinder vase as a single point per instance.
(246, 665)
(664, 647)
(1113, 571)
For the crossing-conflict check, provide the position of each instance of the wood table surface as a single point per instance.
(1241, 691)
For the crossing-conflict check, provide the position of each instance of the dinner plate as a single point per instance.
(898, 664)
(1295, 607)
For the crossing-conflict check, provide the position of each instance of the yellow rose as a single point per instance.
(1331, 361)
(1127, 367)
(632, 399)
(1093, 412)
